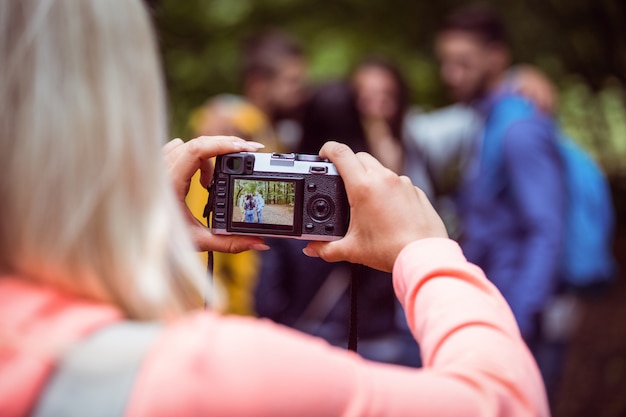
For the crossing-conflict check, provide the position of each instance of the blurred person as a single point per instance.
(512, 196)
(445, 137)
(371, 112)
(273, 70)
(101, 294)
(260, 205)
(274, 80)
(249, 208)
(381, 100)
(233, 115)
(273, 86)
(234, 274)
(366, 111)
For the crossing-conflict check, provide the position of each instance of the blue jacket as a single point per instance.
(513, 204)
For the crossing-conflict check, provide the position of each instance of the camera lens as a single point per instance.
(320, 208)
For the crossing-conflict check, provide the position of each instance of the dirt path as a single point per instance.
(594, 380)
(280, 214)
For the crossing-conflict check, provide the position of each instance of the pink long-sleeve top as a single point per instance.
(475, 362)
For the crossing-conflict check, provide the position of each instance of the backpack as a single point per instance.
(586, 258)
(587, 252)
(95, 377)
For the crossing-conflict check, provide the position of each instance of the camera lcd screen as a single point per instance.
(264, 204)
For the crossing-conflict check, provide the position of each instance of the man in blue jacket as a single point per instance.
(512, 200)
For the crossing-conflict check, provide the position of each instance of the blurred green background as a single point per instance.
(580, 44)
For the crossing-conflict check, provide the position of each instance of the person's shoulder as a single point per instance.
(518, 114)
(512, 105)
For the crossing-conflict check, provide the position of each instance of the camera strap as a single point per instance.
(353, 327)
(353, 320)
(209, 267)
(328, 295)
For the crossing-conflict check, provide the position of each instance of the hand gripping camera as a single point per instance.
(273, 194)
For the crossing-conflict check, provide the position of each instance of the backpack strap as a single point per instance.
(509, 110)
(95, 377)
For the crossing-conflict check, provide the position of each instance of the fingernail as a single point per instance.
(259, 247)
(248, 146)
(256, 145)
(310, 253)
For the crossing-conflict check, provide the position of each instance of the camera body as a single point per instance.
(273, 194)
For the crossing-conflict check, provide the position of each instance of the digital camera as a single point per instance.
(274, 194)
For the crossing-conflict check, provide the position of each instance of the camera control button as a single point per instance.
(289, 156)
(221, 204)
(329, 227)
(220, 216)
(221, 183)
(310, 158)
(320, 208)
(318, 169)
(309, 227)
(221, 195)
(311, 187)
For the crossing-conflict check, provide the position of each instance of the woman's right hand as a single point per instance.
(387, 212)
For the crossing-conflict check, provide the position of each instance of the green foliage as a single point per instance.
(580, 44)
(597, 120)
(273, 192)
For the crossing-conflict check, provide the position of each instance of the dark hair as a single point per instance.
(479, 21)
(263, 53)
(402, 88)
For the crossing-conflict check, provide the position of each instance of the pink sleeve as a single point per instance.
(475, 361)
(466, 329)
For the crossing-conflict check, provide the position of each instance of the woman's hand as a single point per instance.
(183, 160)
(387, 212)
(533, 84)
(382, 145)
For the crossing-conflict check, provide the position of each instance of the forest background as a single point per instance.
(579, 44)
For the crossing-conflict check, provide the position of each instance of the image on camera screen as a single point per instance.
(269, 202)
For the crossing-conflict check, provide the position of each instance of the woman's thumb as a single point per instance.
(328, 251)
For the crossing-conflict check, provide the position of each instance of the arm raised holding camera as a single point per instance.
(471, 346)
(475, 361)
(380, 224)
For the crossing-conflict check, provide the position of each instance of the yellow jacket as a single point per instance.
(234, 274)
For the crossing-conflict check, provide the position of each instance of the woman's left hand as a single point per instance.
(183, 160)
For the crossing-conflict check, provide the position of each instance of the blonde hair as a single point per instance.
(85, 203)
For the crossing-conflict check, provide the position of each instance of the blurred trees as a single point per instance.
(273, 192)
(580, 44)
